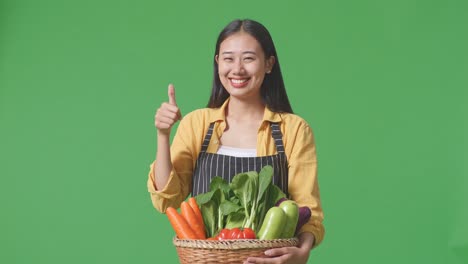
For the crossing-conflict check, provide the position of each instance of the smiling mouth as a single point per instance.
(239, 83)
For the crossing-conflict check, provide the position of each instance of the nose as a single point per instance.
(238, 68)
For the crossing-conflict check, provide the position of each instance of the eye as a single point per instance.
(227, 59)
(249, 58)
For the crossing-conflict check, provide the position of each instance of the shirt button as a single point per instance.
(215, 141)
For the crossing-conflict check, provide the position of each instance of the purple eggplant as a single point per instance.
(304, 214)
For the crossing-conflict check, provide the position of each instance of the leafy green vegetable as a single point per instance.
(235, 220)
(266, 176)
(243, 203)
(228, 207)
(208, 210)
(219, 183)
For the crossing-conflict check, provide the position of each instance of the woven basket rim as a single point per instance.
(231, 244)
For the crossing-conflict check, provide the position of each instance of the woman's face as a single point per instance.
(242, 65)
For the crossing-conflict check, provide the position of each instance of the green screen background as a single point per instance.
(382, 83)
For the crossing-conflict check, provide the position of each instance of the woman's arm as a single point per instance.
(169, 178)
(163, 165)
(303, 178)
(179, 178)
(166, 116)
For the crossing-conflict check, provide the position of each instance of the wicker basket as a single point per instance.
(227, 251)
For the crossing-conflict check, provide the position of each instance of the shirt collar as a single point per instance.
(268, 115)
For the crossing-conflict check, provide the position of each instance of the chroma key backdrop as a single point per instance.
(382, 84)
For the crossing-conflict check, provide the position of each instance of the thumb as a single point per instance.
(171, 94)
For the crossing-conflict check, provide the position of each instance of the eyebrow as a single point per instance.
(245, 52)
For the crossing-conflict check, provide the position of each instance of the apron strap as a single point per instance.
(277, 136)
(207, 139)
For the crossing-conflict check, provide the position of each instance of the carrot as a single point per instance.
(181, 227)
(192, 220)
(196, 209)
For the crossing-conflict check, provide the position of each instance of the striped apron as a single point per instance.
(210, 165)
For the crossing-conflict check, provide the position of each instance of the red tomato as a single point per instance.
(235, 233)
(224, 234)
(248, 233)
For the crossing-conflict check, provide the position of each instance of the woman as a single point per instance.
(248, 123)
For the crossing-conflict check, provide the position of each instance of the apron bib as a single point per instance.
(210, 165)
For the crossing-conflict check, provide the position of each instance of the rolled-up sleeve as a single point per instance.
(303, 181)
(179, 182)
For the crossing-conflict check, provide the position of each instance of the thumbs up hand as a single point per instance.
(168, 114)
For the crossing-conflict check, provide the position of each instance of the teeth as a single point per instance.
(238, 81)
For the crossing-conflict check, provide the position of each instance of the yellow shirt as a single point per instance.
(299, 147)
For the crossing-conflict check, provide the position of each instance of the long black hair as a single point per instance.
(272, 91)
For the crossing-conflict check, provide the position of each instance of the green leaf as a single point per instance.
(204, 197)
(219, 183)
(228, 207)
(234, 199)
(242, 187)
(209, 213)
(235, 220)
(265, 179)
(238, 181)
(275, 193)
